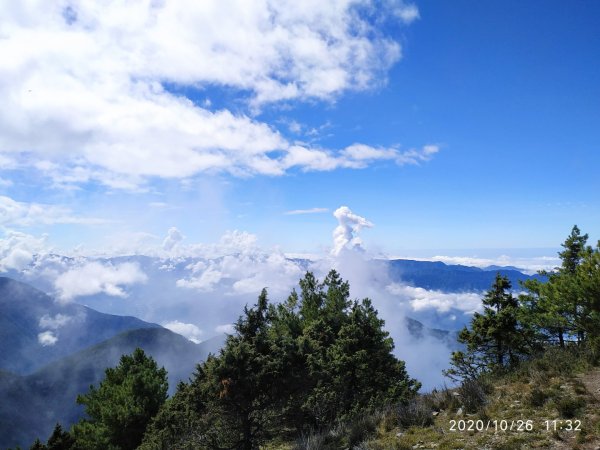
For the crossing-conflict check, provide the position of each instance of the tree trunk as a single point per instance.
(247, 430)
(561, 338)
(499, 355)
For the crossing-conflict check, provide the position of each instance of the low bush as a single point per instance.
(569, 407)
(473, 394)
(416, 412)
(537, 397)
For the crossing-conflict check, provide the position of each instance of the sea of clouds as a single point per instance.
(199, 290)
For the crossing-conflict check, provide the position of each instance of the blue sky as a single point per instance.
(478, 122)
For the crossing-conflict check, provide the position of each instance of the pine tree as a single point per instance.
(572, 255)
(496, 338)
(120, 408)
(574, 247)
(246, 378)
(586, 287)
(38, 445)
(60, 439)
(349, 358)
(557, 307)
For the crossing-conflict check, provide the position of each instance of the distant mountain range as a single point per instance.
(26, 313)
(436, 275)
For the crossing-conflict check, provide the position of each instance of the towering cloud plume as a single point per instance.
(174, 237)
(344, 235)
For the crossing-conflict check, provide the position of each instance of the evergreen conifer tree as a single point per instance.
(60, 439)
(496, 337)
(120, 408)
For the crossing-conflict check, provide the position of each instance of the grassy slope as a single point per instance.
(557, 386)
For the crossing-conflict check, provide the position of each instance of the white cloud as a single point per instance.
(422, 299)
(54, 323)
(311, 159)
(416, 156)
(84, 97)
(361, 152)
(47, 338)
(174, 237)
(187, 330)
(242, 269)
(358, 156)
(18, 250)
(17, 213)
(95, 278)
(355, 156)
(227, 328)
(207, 280)
(295, 127)
(306, 211)
(344, 235)
(237, 242)
(407, 13)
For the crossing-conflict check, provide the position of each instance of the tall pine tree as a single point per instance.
(120, 408)
(496, 338)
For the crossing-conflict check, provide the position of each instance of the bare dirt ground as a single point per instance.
(590, 419)
(591, 381)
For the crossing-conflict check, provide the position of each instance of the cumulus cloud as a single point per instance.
(47, 338)
(344, 235)
(174, 237)
(187, 330)
(422, 299)
(18, 250)
(93, 93)
(206, 277)
(94, 278)
(236, 241)
(237, 266)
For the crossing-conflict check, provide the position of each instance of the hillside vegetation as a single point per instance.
(551, 401)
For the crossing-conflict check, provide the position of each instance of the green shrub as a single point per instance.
(537, 397)
(592, 350)
(569, 407)
(360, 429)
